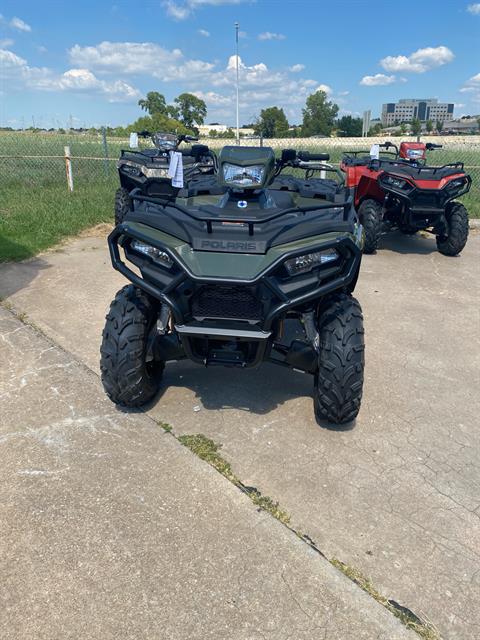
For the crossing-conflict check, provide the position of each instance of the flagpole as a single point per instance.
(236, 66)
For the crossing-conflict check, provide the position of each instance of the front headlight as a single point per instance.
(157, 255)
(308, 261)
(458, 183)
(149, 172)
(130, 169)
(243, 176)
(397, 183)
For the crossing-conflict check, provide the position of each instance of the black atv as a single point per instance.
(219, 276)
(148, 168)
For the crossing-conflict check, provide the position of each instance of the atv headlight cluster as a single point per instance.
(308, 261)
(130, 169)
(156, 172)
(157, 255)
(396, 183)
(456, 184)
(243, 176)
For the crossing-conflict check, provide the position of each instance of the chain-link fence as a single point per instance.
(40, 157)
(36, 161)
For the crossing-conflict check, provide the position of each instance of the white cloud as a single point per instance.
(214, 99)
(475, 80)
(175, 10)
(20, 25)
(472, 88)
(183, 9)
(474, 8)
(16, 71)
(138, 58)
(268, 35)
(343, 93)
(379, 79)
(325, 88)
(204, 33)
(420, 61)
(6, 42)
(105, 69)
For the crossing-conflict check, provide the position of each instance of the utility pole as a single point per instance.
(236, 67)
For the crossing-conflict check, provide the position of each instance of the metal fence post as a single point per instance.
(105, 150)
(68, 168)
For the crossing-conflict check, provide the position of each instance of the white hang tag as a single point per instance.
(175, 169)
(375, 151)
(133, 140)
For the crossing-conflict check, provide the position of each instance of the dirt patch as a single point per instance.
(101, 230)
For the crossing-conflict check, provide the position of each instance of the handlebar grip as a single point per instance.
(432, 145)
(306, 156)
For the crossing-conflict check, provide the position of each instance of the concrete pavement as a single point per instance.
(110, 529)
(397, 495)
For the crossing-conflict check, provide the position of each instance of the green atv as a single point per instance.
(257, 267)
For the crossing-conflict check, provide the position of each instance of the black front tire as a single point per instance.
(370, 213)
(123, 204)
(457, 222)
(339, 379)
(129, 378)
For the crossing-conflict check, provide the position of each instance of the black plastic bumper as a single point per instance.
(279, 295)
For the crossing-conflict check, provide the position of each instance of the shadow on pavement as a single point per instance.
(17, 275)
(255, 390)
(14, 276)
(405, 244)
(259, 391)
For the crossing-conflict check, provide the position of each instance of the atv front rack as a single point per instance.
(210, 214)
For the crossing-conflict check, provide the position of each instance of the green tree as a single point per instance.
(349, 127)
(319, 115)
(191, 110)
(429, 126)
(403, 128)
(376, 129)
(439, 126)
(158, 122)
(416, 126)
(153, 103)
(272, 123)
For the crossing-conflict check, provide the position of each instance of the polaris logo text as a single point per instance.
(230, 246)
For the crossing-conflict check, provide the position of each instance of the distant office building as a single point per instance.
(423, 109)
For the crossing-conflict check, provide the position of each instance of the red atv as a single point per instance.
(398, 189)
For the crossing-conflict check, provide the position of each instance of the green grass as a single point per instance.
(208, 451)
(32, 220)
(424, 629)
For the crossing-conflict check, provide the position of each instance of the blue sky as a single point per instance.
(93, 60)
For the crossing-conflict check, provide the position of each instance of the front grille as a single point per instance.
(226, 302)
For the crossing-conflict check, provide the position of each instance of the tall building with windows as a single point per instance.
(423, 109)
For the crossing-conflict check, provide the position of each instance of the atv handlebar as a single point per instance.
(430, 146)
(306, 156)
(387, 145)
